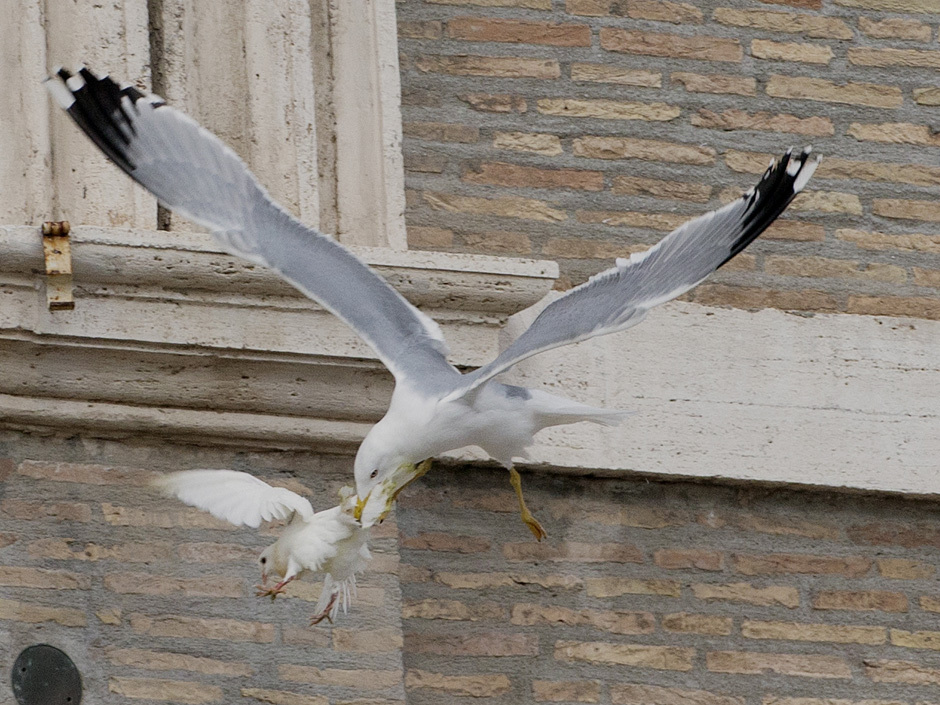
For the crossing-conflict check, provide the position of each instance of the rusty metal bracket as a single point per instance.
(57, 251)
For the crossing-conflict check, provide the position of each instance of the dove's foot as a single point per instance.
(272, 592)
(534, 526)
(325, 613)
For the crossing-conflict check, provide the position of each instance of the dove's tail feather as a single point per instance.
(338, 592)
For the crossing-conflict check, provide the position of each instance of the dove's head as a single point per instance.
(380, 475)
(268, 561)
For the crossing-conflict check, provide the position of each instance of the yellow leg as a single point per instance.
(527, 517)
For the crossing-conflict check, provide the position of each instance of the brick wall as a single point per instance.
(667, 594)
(644, 593)
(581, 130)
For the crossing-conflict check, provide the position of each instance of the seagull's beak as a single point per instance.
(378, 503)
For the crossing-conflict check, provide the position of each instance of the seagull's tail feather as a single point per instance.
(551, 410)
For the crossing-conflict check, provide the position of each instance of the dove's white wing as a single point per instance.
(235, 497)
(194, 174)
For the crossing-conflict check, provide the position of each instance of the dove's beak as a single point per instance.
(378, 503)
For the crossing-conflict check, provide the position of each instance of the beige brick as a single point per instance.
(651, 150)
(606, 73)
(815, 26)
(359, 678)
(87, 474)
(668, 658)
(867, 94)
(495, 102)
(769, 596)
(164, 690)
(905, 569)
(607, 109)
(824, 267)
(664, 222)
(566, 691)
(614, 587)
(162, 518)
(477, 581)
(367, 641)
(579, 248)
(894, 133)
(670, 45)
(734, 119)
(911, 242)
(688, 558)
(493, 66)
(574, 552)
(425, 163)
(619, 622)
(198, 628)
(37, 510)
(590, 8)
(429, 237)
(909, 209)
(505, 207)
(518, 176)
(715, 83)
(32, 613)
(708, 624)
(895, 28)
(430, 29)
(538, 143)
(794, 230)
(827, 202)
(499, 242)
(916, 640)
(488, 29)
(797, 631)
(476, 644)
(782, 700)
(660, 188)
(890, 671)
(930, 603)
(452, 610)
(926, 277)
(8, 539)
(905, 58)
(431, 541)
(283, 697)
(776, 525)
(639, 516)
(169, 661)
(66, 549)
(757, 298)
(43, 578)
(791, 51)
(441, 131)
(915, 174)
(864, 600)
(927, 96)
(110, 616)
(915, 306)
(913, 6)
(802, 665)
(663, 11)
(154, 584)
(477, 686)
(636, 694)
(526, 4)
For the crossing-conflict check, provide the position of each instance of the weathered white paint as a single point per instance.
(834, 400)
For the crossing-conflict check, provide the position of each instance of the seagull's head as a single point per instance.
(380, 476)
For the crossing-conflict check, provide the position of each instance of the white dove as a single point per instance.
(331, 541)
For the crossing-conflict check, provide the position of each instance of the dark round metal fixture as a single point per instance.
(45, 675)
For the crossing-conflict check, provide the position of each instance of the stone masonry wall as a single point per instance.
(154, 601)
(667, 594)
(581, 130)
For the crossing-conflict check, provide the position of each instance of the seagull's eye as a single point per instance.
(263, 560)
(375, 474)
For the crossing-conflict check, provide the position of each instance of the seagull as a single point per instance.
(434, 407)
(332, 541)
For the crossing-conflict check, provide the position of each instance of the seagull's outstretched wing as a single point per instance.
(235, 497)
(621, 296)
(194, 174)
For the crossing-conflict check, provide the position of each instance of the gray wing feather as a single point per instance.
(193, 173)
(620, 297)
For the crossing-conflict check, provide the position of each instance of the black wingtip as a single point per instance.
(779, 185)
